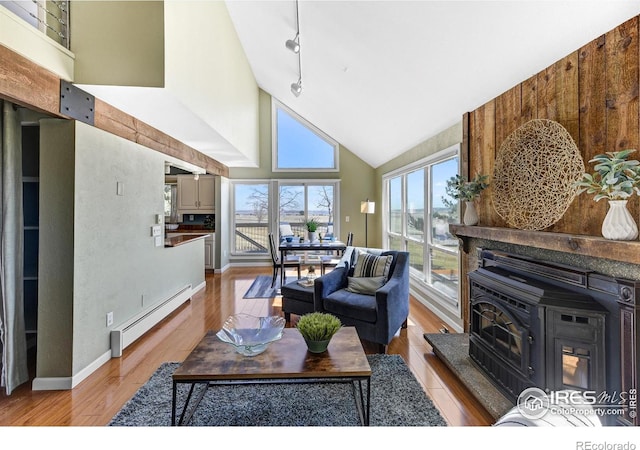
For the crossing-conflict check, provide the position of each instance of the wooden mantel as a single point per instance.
(597, 247)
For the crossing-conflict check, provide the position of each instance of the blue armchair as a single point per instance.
(378, 315)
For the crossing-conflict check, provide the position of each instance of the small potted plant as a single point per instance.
(209, 223)
(616, 178)
(312, 226)
(317, 329)
(467, 191)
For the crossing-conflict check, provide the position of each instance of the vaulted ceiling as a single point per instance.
(382, 76)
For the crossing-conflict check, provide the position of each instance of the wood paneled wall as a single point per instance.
(593, 93)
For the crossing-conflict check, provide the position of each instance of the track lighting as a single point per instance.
(293, 45)
(296, 88)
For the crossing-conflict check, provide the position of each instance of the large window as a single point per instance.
(417, 217)
(300, 202)
(262, 206)
(298, 145)
(251, 217)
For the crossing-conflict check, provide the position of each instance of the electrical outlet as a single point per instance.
(346, 219)
(110, 318)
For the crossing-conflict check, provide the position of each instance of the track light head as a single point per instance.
(296, 88)
(293, 45)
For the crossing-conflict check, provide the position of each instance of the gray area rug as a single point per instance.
(453, 350)
(397, 399)
(261, 287)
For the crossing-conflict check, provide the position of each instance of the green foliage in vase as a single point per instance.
(318, 326)
(209, 223)
(615, 177)
(312, 225)
(459, 188)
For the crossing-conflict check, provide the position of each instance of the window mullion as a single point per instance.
(436, 248)
(427, 233)
(404, 213)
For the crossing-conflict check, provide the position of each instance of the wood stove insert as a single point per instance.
(551, 326)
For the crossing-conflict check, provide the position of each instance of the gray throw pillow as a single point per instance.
(370, 265)
(365, 285)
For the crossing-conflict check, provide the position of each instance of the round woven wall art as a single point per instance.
(534, 173)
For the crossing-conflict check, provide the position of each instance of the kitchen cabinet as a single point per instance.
(209, 246)
(196, 196)
(209, 251)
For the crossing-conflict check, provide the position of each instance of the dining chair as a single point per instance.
(289, 261)
(333, 260)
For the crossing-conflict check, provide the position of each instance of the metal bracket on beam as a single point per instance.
(76, 103)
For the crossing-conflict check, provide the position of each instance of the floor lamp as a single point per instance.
(367, 208)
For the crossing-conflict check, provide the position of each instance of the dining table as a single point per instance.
(324, 245)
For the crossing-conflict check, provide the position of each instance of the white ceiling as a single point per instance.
(382, 76)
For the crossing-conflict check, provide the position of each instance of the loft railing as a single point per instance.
(51, 17)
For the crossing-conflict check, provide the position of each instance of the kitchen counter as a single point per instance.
(175, 239)
(191, 229)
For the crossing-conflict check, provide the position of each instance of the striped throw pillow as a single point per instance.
(369, 265)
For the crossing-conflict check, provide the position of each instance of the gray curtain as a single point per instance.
(13, 342)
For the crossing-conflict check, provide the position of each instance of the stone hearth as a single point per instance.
(453, 350)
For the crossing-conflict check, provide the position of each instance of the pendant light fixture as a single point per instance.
(296, 88)
(294, 46)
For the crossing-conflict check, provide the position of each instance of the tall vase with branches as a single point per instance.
(460, 189)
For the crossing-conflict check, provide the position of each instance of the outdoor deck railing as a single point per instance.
(254, 237)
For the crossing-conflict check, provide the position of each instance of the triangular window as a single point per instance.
(299, 146)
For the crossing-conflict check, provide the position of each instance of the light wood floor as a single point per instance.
(97, 399)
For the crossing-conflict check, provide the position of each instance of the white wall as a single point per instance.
(114, 265)
(207, 70)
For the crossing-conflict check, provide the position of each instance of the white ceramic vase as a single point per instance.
(619, 224)
(313, 236)
(470, 214)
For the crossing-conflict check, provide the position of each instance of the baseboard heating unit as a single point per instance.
(128, 332)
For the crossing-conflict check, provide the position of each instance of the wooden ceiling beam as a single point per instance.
(27, 84)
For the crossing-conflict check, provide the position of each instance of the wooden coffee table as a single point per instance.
(287, 360)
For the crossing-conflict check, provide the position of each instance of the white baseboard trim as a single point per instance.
(199, 287)
(67, 383)
(251, 264)
(223, 269)
(447, 317)
(128, 332)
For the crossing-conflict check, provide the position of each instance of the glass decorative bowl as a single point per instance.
(250, 335)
